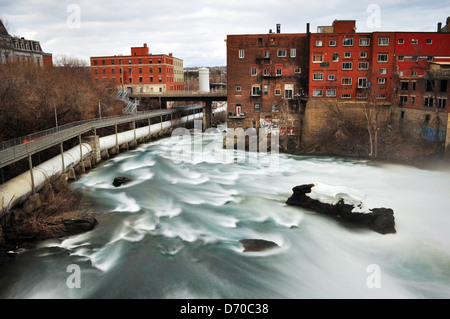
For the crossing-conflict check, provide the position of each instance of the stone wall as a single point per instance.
(321, 115)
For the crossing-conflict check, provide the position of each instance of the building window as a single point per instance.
(159, 69)
(95, 71)
(346, 81)
(441, 103)
(130, 80)
(317, 58)
(331, 77)
(129, 70)
(413, 86)
(266, 54)
(443, 86)
(140, 70)
(257, 107)
(363, 55)
(413, 100)
(382, 58)
(403, 100)
(238, 109)
(318, 76)
(347, 66)
(113, 71)
(260, 42)
(95, 62)
(103, 62)
(414, 41)
(279, 72)
(428, 101)
(332, 43)
(298, 70)
(277, 92)
(275, 108)
(140, 79)
(160, 79)
(151, 70)
(129, 61)
(266, 72)
(266, 90)
(112, 62)
(381, 96)
(288, 91)
(151, 79)
(293, 53)
(335, 57)
(347, 55)
(348, 42)
(401, 58)
(317, 92)
(104, 71)
(319, 43)
(238, 89)
(401, 41)
(363, 65)
(140, 61)
(282, 53)
(254, 71)
(256, 90)
(404, 86)
(383, 41)
(362, 83)
(364, 42)
(241, 54)
(429, 41)
(381, 81)
(150, 61)
(383, 71)
(346, 96)
(331, 92)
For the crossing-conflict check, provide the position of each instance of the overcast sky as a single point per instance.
(195, 30)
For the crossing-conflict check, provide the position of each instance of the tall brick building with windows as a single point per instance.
(271, 77)
(267, 80)
(141, 72)
(344, 64)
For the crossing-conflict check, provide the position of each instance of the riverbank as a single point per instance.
(55, 212)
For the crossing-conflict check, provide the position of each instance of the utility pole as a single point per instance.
(99, 109)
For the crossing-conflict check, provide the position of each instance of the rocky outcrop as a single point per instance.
(253, 245)
(121, 180)
(380, 220)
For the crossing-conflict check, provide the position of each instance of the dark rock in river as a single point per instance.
(119, 181)
(251, 245)
(380, 220)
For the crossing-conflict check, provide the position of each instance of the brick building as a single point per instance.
(267, 80)
(141, 71)
(344, 64)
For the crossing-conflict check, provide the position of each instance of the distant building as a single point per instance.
(140, 72)
(267, 78)
(344, 64)
(274, 79)
(15, 49)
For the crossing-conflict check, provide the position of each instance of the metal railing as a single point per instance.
(19, 148)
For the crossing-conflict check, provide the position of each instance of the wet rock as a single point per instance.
(380, 220)
(121, 180)
(251, 245)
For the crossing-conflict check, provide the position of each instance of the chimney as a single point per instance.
(278, 28)
(439, 27)
(307, 28)
(145, 45)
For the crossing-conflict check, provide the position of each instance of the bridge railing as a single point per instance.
(21, 147)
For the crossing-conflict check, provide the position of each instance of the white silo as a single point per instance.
(204, 79)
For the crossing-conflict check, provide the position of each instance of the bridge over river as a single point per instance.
(21, 187)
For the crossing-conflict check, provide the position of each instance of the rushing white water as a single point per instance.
(174, 231)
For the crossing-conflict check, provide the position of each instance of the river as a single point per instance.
(173, 232)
